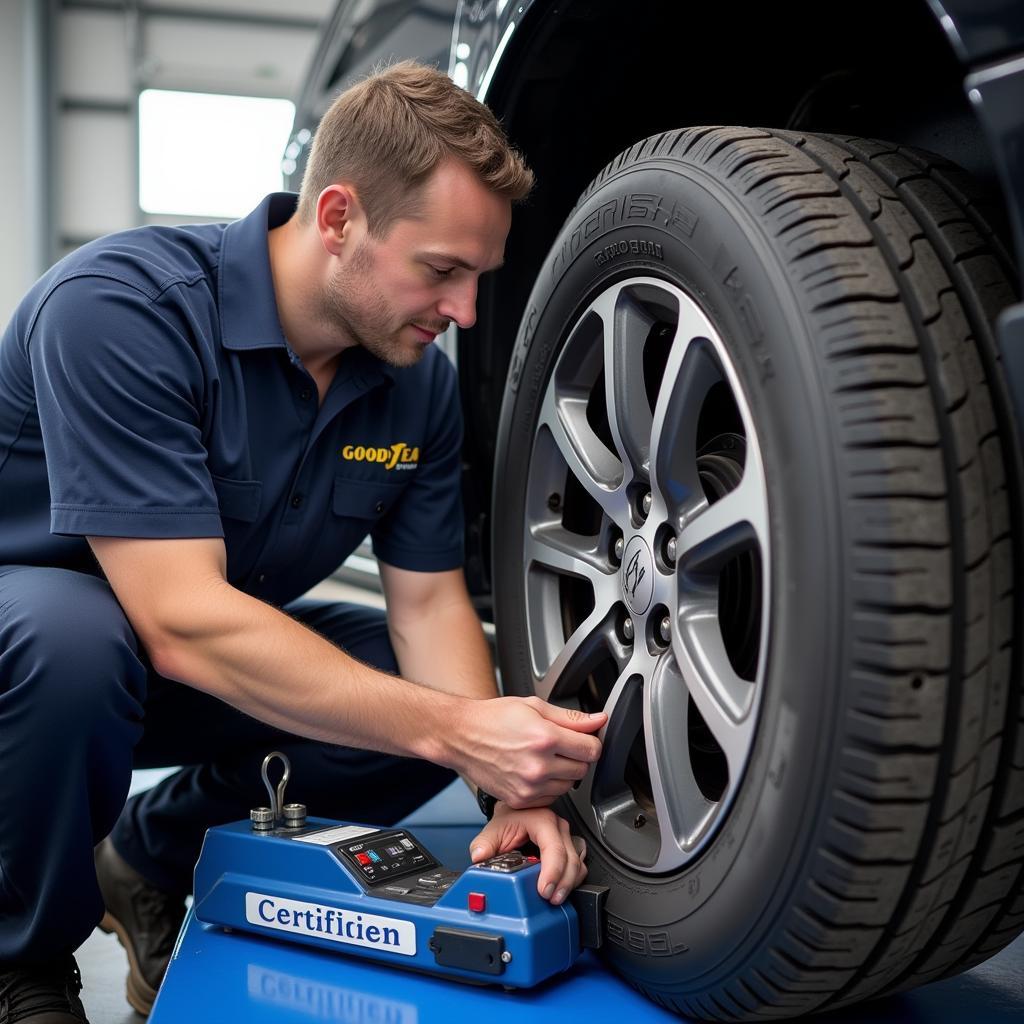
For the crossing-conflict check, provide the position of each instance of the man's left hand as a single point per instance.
(561, 854)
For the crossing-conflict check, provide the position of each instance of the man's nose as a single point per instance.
(459, 304)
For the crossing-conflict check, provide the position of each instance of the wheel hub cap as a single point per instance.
(638, 576)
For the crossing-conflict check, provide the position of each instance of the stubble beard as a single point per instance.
(353, 306)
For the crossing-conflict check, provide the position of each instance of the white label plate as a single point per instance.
(348, 927)
(338, 834)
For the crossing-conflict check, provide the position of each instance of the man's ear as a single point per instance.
(337, 209)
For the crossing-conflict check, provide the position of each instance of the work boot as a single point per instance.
(145, 919)
(45, 994)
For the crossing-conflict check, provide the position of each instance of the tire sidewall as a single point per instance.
(669, 219)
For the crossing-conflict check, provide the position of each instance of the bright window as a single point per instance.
(209, 156)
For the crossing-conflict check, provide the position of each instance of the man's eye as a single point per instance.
(440, 271)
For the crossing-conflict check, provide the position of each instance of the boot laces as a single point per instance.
(31, 990)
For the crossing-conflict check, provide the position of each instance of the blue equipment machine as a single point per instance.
(379, 893)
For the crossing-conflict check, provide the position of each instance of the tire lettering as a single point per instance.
(682, 217)
(628, 247)
(777, 772)
(519, 356)
(642, 941)
(634, 206)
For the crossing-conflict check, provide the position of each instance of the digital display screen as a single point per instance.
(382, 857)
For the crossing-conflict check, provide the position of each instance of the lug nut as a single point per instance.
(627, 629)
(671, 547)
(645, 504)
(666, 630)
(620, 546)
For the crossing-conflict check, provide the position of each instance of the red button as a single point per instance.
(363, 859)
(477, 902)
(533, 860)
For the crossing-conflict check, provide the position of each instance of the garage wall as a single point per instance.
(108, 51)
(23, 71)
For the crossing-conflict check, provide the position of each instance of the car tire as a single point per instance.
(757, 494)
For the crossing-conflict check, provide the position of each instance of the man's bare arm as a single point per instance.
(202, 631)
(436, 632)
(438, 640)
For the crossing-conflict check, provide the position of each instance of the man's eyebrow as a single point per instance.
(445, 257)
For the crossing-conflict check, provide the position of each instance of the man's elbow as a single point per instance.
(175, 630)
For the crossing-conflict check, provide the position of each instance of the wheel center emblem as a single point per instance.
(638, 576)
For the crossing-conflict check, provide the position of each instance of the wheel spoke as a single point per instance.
(589, 461)
(722, 697)
(683, 810)
(690, 373)
(590, 643)
(714, 533)
(616, 736)
(627, 325)
(556, 548)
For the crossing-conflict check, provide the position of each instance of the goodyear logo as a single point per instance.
(396, 456)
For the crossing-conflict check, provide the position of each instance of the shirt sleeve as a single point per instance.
(119, 391)
(423, 531)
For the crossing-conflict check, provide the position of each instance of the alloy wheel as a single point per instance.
(647, 567)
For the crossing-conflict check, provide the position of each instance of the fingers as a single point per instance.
(502, 833)
(572, 739)
(541, 749)
(562, 776)
(569, 718)
(568, 769)
(482, 847)
(562, 867)
(561, 853)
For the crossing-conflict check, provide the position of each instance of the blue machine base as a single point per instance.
(217, 977)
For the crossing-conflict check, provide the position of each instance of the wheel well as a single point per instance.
(581, 82)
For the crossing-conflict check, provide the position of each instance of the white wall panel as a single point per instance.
(209, 56)
(14, 274)
(97, 163)
(100, 59)
(94, 56)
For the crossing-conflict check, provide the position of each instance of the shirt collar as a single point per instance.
(365, 364)
(248, 306)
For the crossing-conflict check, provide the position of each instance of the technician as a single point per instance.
(198, 424)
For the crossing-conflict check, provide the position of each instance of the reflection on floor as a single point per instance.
(992, 993)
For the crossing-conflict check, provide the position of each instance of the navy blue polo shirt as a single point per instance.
(147, 390)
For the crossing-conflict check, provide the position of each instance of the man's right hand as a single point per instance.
(524, 751)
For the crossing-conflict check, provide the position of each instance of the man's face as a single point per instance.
(392, 295)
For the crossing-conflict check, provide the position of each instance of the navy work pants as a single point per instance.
(80, 706)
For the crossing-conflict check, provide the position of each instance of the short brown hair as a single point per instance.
(387, 134)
